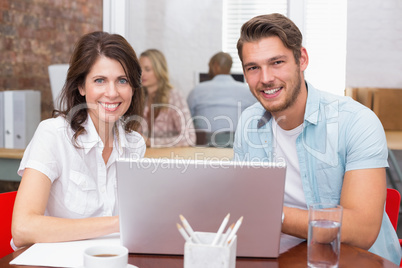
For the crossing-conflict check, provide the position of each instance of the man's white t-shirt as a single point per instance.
(285, 151)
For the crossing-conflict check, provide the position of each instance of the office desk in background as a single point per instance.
(296, 257)
(10, 158)
(394, 142)
(394, 139)
(194, 153)
(9, 162)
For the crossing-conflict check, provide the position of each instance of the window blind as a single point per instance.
(325, 24)
(236, 13)
(324, 34)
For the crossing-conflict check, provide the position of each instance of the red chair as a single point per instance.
(7, 205)
(392, 206)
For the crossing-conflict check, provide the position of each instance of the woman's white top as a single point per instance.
(82, 184)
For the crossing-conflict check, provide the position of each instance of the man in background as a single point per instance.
(216, 105)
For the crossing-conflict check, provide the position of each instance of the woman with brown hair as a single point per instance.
(166, 112)
(68, 186)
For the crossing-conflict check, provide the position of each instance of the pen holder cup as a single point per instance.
(205, 255)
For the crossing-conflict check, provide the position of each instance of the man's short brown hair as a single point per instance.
(271, 25)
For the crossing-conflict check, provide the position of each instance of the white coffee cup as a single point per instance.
(106, 257)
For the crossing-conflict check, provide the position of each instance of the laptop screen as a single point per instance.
(152, 193)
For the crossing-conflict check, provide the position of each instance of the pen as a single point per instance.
(188, 228)
(220, 230)
(235, 228)
(225, 236)
(182, 232)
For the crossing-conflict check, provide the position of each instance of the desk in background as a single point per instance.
(9, 162)
(194, 153)
(386, 103)
(394, 141)
(10, 158)
(296, 257)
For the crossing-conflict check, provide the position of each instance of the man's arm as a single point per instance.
(362, 197)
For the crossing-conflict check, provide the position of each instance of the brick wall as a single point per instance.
(37, 33)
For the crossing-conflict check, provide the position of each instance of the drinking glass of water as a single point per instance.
(324, 235)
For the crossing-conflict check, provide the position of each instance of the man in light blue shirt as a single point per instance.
(334, 148)
(216, 105)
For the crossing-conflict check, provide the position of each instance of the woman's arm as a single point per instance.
(30, 226)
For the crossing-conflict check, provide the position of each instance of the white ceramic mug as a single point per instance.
(106, 257)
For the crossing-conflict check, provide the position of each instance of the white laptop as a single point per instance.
(152, 193)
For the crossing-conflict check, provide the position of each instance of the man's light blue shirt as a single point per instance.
(338, 135)
(216, 105)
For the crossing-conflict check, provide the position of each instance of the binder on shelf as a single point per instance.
(1, 119)
(8, 119)
(21, 117)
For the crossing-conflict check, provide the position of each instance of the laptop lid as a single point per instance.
(152, 193)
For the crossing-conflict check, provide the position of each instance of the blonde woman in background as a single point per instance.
(166, 112)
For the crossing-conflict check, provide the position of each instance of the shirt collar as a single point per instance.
(312, 107)
(222, 77)
(120, 138)
(311, 114)
(90, 138)
(264, 119)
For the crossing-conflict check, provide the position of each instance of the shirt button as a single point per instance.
(103, 189)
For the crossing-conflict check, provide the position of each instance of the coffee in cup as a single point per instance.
(106, 257)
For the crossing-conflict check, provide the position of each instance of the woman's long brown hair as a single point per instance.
(87, 50)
